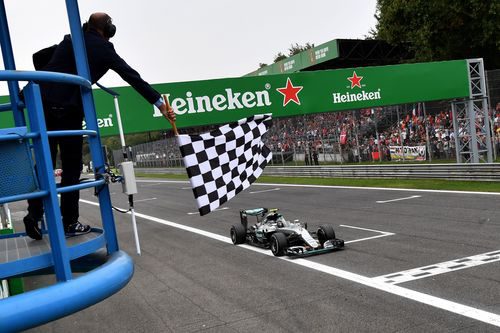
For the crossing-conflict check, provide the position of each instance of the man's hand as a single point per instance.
(167, 111)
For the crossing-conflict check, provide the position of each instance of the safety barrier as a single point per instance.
(480, 172)
(483, 172)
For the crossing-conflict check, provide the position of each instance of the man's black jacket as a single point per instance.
(101, 57)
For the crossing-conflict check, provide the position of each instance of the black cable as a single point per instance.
(120, 210)
(108, 175)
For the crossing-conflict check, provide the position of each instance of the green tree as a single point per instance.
(293, 50)
(296, 49)
(280, 56)
(442, 29)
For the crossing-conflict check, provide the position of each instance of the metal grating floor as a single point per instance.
(12, 249)
(16, 168)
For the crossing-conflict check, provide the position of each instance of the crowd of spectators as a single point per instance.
(353, 134)
(496, 128)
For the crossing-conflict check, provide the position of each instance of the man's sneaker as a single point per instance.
(76, 229)
(32, 228)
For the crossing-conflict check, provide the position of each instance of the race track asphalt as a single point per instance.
(190, 278)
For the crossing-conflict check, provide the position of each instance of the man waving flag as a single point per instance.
(224, 162)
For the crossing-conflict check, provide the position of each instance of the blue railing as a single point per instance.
(69, 295)
(47, 188)
(37, 76)
(62, 299)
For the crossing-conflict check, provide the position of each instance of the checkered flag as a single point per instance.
(224, 162)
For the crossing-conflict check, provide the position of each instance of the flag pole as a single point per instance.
(126, 165)
(126, 160)
(172, 122)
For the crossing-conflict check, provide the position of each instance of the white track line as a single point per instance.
(400, 199)
(457, 308)
(161, 181)
(148, 199)
(152, 183)
(366, 229)
(383, 233)
(270, 190)
(365, 239)
(440, 268)
(215, 210)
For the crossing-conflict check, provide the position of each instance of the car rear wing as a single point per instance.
(254, 212)
(258, 212)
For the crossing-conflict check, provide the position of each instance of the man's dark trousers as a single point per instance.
(70, 150)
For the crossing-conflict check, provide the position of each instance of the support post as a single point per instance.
(43, 159)
(91, 120)
(471, 119)
(8, 60)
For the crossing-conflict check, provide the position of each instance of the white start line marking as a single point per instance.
(440, 268)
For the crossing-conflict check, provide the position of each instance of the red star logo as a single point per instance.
(355, 80)
(290, 93)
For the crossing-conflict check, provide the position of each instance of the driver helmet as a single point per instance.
(272, 217)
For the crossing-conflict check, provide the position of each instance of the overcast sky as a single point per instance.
(170, 41)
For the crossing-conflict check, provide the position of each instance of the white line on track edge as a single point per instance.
(398, 199)
(457, 308)
(270, 190)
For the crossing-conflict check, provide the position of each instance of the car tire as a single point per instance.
(279, 244)
(325, 232)
(238, 234)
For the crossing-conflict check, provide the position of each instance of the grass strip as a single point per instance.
(425, 184)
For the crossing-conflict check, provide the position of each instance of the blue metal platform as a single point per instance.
(21, 254)
(19, 145)
(40, 306)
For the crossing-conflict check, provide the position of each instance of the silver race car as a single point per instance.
(283, 237)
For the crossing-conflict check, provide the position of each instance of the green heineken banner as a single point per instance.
(224, 100)
(316, 55)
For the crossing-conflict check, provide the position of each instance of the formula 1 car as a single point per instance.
(283, 237)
